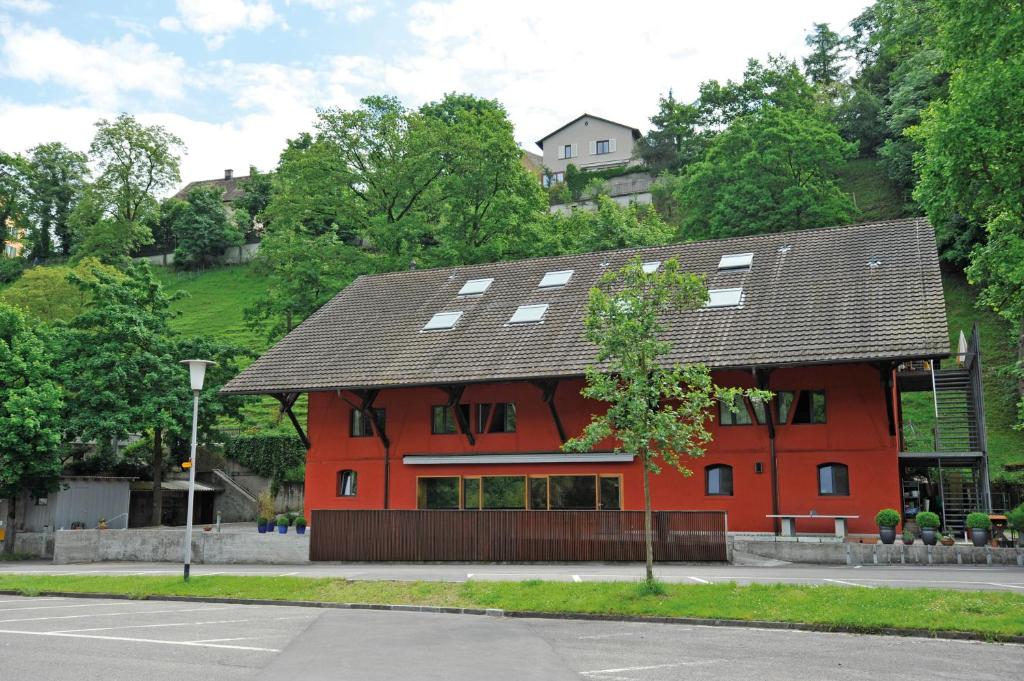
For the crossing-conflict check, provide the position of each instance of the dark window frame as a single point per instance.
(607, 147)
(354, 488)
(810, 396)
(721, 467)
(838, 490)
(449, 414)
(783, 419)
(380, 416)
(724, 410)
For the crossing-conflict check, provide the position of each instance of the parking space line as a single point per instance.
(112, 614)
(1010, 586)
(577, 578)
(25, 600)
(51, 607)
(139, 640)
(222, 640)
(150, 626)
(843, 581)
(699, 580)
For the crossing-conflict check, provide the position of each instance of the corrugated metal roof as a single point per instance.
(171, 486)
(809, 298)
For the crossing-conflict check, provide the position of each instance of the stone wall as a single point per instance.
(167, 545)
(827, 552)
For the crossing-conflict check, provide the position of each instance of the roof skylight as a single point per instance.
(558, 278)
(735, 262)
(526, 314)
(442, 320)
(475, 287)
(651, 266)
(724, 297)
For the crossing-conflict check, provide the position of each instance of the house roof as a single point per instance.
(809, 297)
(228, 185)
(634, 131)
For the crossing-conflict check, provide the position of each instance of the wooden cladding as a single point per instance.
(513, 536)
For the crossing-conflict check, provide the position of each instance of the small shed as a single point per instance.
(78, 499)
(175, 503)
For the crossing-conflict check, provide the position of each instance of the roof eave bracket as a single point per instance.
(287, 401)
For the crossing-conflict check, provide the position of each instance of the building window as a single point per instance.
(733, 413)
(538, 494)
(784, 401)
(602, 147)
(760, 410)
(346, 483)
(572, 492)
(503, 492)
(471, 493)
(567, 151)
(442, 420)
(611, 493)
(810, 408)
(833, 480)
(496, 418)
(360, 426)
(718, 480)
(437, 494)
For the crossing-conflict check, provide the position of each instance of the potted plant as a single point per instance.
(929, 523)
(101, 524)
(282, 524)
(261, 525)
(887, 519)
(300, 525)
(979, 524)
(908, 537)
(946, 539)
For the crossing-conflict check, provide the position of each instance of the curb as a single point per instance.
(531, 614)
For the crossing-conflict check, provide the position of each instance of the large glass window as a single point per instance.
(573, 492)
(611, 494)
(471, 493)
(346, 483)
(602, 147)
(733, 413)
(360, 426)
(810, 408)
(504, 492)
(437, 493)
(442, 419)
(718, 480)
(833, 480)
(538, 494)
(760, 410)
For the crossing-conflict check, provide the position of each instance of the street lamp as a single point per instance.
(197, 372)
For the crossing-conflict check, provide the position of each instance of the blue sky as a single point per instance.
(236, 78)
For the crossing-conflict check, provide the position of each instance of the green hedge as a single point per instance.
(277, 457)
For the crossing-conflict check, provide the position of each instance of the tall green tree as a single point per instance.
(30, 415)
(48, 294)
(203, 229)
(778, 83)
(972, 146)
(608, 226)
(14, 195)
(676, 138)
(656, 411)
(771, 171)
(824, 65)
(255, 198)
(135, 163)
(120, 367)
(57, 177)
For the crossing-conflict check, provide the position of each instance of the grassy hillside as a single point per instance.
(873, 195)
(215, 306)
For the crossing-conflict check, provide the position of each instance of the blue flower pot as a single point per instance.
(262, 529)
(300, 529)
(282, 529)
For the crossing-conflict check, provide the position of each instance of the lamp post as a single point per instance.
(197, 373)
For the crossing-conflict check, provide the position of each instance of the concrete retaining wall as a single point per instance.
(847, 553)
(167, 545)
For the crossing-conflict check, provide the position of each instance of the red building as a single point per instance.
(455, 388)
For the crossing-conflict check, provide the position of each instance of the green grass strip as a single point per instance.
(992, 614)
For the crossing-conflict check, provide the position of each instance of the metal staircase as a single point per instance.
(957, 428)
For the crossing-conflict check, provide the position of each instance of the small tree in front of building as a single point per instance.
(657, 411)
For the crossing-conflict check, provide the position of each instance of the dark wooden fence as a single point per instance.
(512, 536)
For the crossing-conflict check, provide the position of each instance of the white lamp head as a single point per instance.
(197, 371)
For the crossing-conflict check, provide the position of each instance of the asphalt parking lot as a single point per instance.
(57, 639)
(966, 577)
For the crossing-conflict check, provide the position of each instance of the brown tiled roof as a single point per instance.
(229, 186)
(810, 297)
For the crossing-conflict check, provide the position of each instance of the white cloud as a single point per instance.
(170, 24)
(99, 72)
(359, 13)
(216, 19)
(356, 11)
(27, 6)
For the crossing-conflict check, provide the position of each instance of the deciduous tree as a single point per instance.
(655, 411)
(57, 177)
(203, 229)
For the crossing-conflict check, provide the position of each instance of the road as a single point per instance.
(55, 639)
(967, 577)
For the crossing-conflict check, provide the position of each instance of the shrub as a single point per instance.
(265, 504)
(10, 269)
(887, 517)
(928, 519)
(1016, 518)
(261, 521)
(978, 521)
(908, 536)
(282, 521)
(270, 455)
(300, 522)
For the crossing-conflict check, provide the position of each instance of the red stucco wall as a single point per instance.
(856, 434)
